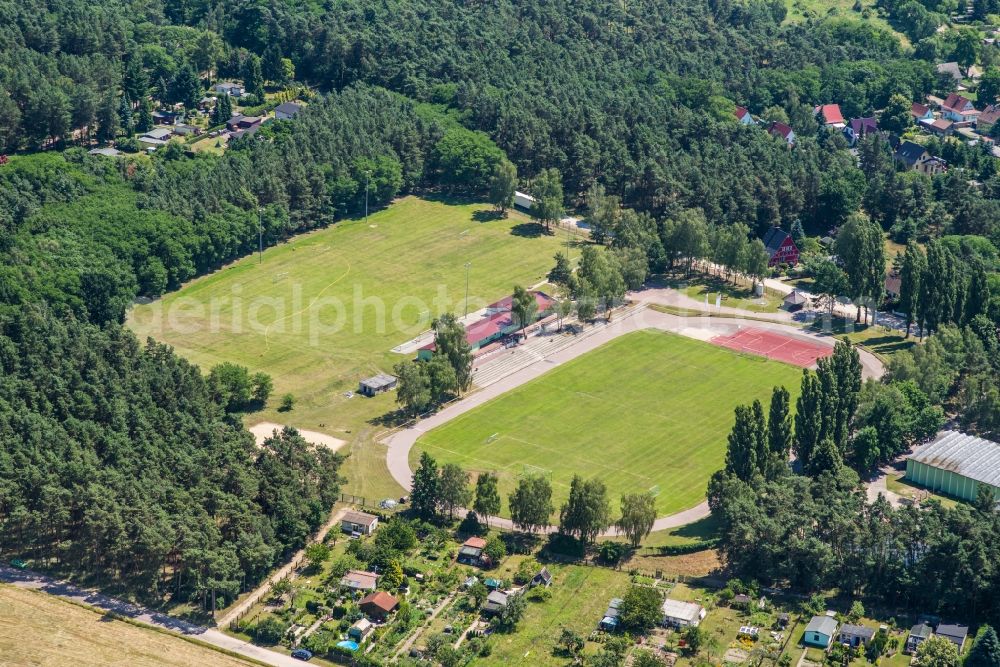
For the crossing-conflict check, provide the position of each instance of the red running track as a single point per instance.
(774, 346)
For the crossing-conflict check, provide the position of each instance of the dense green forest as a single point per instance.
(120, 461)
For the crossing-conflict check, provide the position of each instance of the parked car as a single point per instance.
(302, 654)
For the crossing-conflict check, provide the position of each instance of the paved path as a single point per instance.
(68, 591)
(400, 443)
(250, 600)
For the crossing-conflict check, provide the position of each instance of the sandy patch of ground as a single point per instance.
(265, 430)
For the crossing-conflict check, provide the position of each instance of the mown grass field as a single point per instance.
(649, 409)
(39, 629)
(325, 310)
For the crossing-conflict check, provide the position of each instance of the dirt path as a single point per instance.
(265, 430)
(68, 591)
(400, 443)
(419, 631)
(250, 600)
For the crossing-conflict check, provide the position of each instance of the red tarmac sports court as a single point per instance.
(774, 346)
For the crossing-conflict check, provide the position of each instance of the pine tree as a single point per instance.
(985, 651)
(424, 496)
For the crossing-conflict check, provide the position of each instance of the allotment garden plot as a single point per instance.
(647, 411)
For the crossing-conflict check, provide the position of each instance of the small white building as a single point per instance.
(361, 523)
(523, 200)
(677, 614)
(228, 88)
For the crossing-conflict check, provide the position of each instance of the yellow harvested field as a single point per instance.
(40, 629)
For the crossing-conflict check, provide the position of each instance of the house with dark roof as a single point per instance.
(471, 551)
(954, 633)
(959, 109)
(744, 116)
(782, 131)
(377, 384)
(287, 110)
(609, 621)
(543, 578)
(495, 603)
(781, 248)
(859, 127)
(919, 633)
(915, 157)
(829, 114)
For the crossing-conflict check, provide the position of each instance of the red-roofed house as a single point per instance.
(959, 109)
(378, 605)
(744, 117)
(783, 131)
(921, 112)
(830, 114)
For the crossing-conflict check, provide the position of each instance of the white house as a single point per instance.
(361, 523)
(679, 614)
(228, 88)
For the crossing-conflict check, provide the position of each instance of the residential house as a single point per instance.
(107, 151)
(941, 127)
(782, 131)
(378, 605)
(228, 88)
(543, 578)
(934, 101)
(744, 117)
(954, 633)
(159, 134)
(610, 620)
(287, 110)
(919, 633)
(165, 117)
(471, 551)
(921, 112)
(493, 584)
(495, 603)
(820, 631)
(959, 109)
(677, 614)
(988, 118)
(360, 630)
(360, 523)
(248, 132)
(951, 69)
(241, 122)
(859, 127)
(856, 635)
(781, 248)
(358, 580)
(830, 115)
(915, 157)
(183, 130)
(206, 103)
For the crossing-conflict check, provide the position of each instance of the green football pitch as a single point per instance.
(647, 411)
(325, 310)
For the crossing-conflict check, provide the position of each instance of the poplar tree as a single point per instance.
(910, 276)
(808, 417)
(424, 496)
(779, 432)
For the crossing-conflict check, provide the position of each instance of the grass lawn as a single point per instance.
(800, 10)
(325, 310)
(649, 409)
(41, 629)
(904, 487)
(878, 339)
(579, 597)
(733, 296)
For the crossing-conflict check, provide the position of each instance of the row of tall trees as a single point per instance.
(584, 516)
